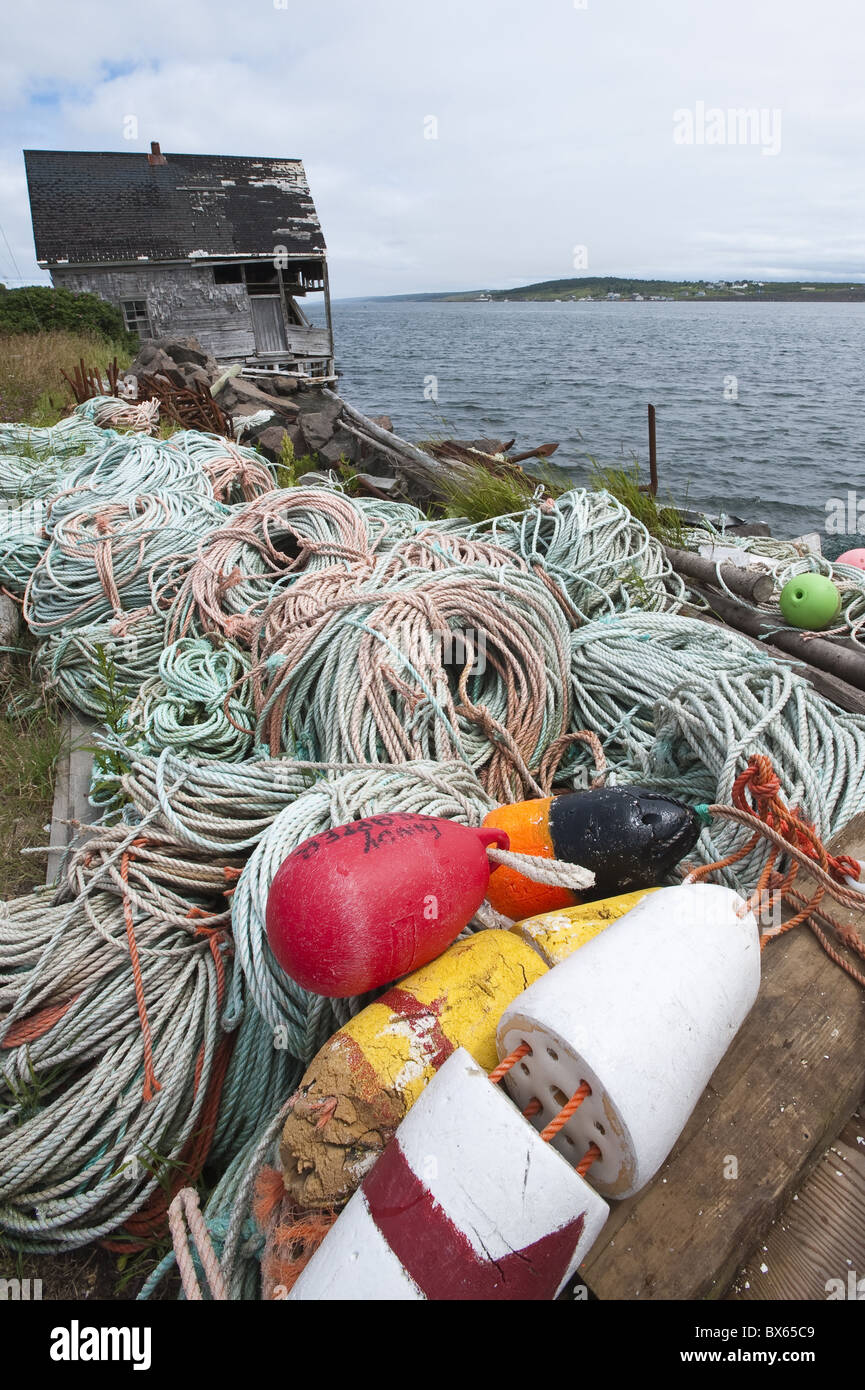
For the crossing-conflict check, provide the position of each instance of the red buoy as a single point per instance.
(362, 904)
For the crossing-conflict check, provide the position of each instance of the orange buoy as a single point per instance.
(630, 837)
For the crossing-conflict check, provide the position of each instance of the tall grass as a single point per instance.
(664, 522)
(31, 740)
(32, 388)
(482, 495)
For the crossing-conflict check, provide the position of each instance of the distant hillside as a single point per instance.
(598, 287)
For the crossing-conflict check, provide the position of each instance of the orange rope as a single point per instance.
(148, 1225)
(588, 1158)
(788, 832)
(151, 1085)
(33, 1027)
(510, 1061)
(532, 1108)
(559, 1121)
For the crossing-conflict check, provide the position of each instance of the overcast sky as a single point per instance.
(557, 126)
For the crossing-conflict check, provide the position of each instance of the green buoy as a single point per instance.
(810, 601)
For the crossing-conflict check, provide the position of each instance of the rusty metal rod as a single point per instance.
(653, 454)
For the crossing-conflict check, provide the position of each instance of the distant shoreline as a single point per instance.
(613, 289)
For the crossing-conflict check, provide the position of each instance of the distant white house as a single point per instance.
(613, 295)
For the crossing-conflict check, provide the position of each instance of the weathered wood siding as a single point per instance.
(181, 300)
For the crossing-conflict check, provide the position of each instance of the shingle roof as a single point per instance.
(118, 207)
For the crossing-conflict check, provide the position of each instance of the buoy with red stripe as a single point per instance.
(367, 1076)
(466, 1203)
(361, 904)
(629, 837)
(643, 1014)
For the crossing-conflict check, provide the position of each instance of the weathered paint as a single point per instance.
(556, 935)
(643, 1013)
(182, 300)
(366, 1077)
(467, 1203)
(455, 1001)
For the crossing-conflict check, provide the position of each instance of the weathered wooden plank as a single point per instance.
(71, 788)
(820, 1235)
(788, 1084)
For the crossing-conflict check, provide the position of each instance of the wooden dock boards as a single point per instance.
(820, 1236)
(71, 788)
(791, 1080)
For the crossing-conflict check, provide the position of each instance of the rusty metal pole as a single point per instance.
(653, 454)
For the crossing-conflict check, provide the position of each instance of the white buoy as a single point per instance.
(644, 1012)
(467, 1202)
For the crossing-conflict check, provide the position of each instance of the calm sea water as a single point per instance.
(583, 374)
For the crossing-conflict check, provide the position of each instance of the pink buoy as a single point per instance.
(466, 1203)
(362, 904)
(852, 557)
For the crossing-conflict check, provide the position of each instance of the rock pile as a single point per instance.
(297, 410)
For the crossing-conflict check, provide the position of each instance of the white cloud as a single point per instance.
(554, 126)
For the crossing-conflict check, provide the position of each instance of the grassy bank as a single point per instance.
(32, 388)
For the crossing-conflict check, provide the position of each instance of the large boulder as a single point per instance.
(275, 384)
(270, 440)
(180, 359)
(341, 445)
(185, 350)
(241, 391)
(319, 425)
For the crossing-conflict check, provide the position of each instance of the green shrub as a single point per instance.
(290, 469)
(40, 308)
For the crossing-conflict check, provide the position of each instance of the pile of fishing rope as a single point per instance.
(263, 663)
(33, 458)
(111, 410)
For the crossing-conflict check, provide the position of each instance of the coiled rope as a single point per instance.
(264, 545)
(366, 671)
(182, 708)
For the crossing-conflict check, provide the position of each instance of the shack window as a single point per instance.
(135, 314)
(228, 275)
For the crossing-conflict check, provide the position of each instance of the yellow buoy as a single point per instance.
(556, 935)
(359, 1086)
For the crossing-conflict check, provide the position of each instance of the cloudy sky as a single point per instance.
(478, 143)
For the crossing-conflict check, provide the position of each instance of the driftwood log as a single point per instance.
(423, 476)
(838, 660)
(753, 585)
(410, 462)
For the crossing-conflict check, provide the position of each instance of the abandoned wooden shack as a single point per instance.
(218, 247)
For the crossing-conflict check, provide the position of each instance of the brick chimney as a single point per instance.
(156, 156)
